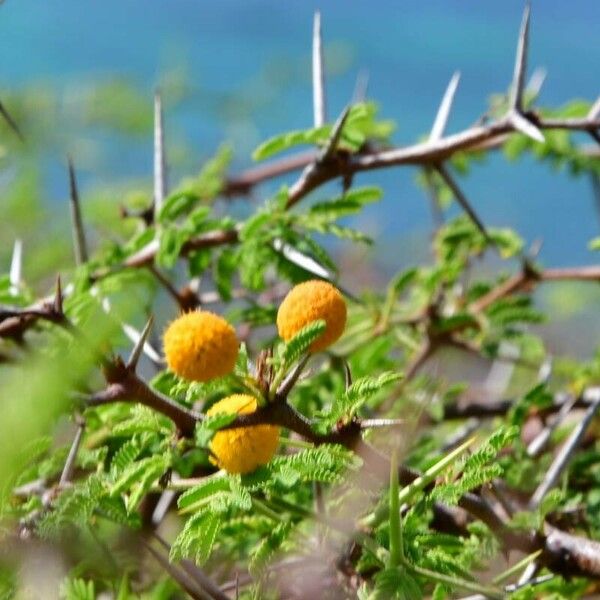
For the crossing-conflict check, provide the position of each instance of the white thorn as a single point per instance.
(535, 83)
(134, 335)
(16, 266)
(361, 87)
(518, 82)
(594, 110)
(300, 259)
(441, 119)
(318, 76)
(526, 127)
(160, 181)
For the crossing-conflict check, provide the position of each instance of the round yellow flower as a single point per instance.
(309, 302)
(242, 449)
(200, 346)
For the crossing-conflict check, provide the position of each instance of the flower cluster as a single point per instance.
(200, 346)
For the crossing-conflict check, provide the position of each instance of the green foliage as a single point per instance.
(197, 537)
(360, 126)
(324, 487)
(359, 393)
(476, 470)
(299, 344)
(77, 589)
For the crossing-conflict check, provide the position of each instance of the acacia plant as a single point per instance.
(269, 434)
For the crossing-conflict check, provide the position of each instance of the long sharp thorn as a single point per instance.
(347, 375)
(336, 134)
(309, 264)
(536, 81)
(160, 171)
(566, 452)
(441, 119)
(58, 297)
(462, 200)
(69, 467)
(79, 242)
(16, 265)
(526, 127)
(11, 122)
(318, 76)
(139, 346)
(594, 112)
(361, 87)
(288, 383)
(134, 335)
(518, 82)
(305, 262)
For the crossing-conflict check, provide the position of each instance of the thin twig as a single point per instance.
(196, 573)
(178, 575)
(462, 199)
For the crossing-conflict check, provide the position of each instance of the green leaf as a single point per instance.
(350, 203)
(267, 547)
(360, 392)
(203, 491)
(170, 244)
(209, 425)
(139, 472)
(175, 205)
(299, 344)
(77, 589)
(395, 584)
(360, 125)
(254, 224)
(284, 141)
(223, 272)
(197, 538)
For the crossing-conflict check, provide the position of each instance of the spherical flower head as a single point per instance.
(242, 449)
(308, 302)
(200, 346)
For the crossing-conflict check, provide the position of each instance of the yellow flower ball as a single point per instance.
(200, 346)
(242, 449)
(309, 302)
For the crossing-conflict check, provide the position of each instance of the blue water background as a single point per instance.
(238, 48)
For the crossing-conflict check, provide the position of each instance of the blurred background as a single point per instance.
(79, 78)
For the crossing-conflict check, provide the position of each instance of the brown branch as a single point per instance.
(208, 240)
(15, 321)
(125, 386)
(426, 153)
(320, 168)
(283, 415)
(242, 184)
(530, 277)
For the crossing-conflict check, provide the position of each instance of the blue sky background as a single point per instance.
(247, 62)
